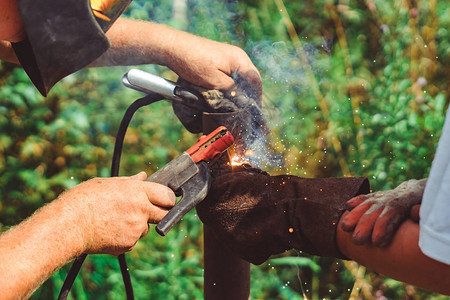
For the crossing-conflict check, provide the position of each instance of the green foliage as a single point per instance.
(296, 261)
(369, 100)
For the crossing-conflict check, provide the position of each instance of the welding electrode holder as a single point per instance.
(185, 178)
(148, 83)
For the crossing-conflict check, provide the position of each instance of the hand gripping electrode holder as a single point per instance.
(188, 175)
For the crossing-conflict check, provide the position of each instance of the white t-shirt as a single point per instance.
(434, 238)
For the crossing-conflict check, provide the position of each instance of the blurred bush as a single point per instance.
(351, 88)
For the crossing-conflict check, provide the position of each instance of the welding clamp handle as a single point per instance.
(147, 83)
(186, 178)
(193, 192)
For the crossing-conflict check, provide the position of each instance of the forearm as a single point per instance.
(198, 60)
(401, 260)
(138, 42)
(101, 215)
(33, 250)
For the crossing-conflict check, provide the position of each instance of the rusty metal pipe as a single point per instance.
(226, 275)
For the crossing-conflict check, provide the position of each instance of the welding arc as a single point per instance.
(76, 266)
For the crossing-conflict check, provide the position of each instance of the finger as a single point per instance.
(415, 213)
(223, 81)
(159, 194)
(354, 202)
(156, 214)
(386, 227)
(351, 219)
(215, 80)
(364, 228)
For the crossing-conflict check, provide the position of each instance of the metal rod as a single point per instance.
(226, 275)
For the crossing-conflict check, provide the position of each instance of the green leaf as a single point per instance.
(295, 261)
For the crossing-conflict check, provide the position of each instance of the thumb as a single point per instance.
(415, 213)
(140, 176)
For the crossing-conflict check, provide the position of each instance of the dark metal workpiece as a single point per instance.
(238, 122)
(227, 276)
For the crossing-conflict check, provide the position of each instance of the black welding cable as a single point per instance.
(147, 100)
(70, 278)
(76, 266)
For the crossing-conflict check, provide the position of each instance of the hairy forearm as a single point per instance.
(203, 62)
(33, 250)
(101, 215)
(401, 260)
(138, 42)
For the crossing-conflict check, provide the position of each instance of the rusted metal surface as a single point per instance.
(226, 275)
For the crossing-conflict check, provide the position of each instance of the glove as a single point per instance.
(215, 101)
(258, 215)
(377, 216)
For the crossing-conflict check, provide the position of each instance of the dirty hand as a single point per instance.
(114, 212)
(377, 216)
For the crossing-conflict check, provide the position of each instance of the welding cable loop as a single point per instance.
(76, 266)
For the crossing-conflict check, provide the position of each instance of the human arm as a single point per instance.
(200, 61)
(101, 215)
(376, 216)
(401, 260)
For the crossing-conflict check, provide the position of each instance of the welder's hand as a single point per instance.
(220, 67)
(376, 217)
(114, 212)
(214, 65)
